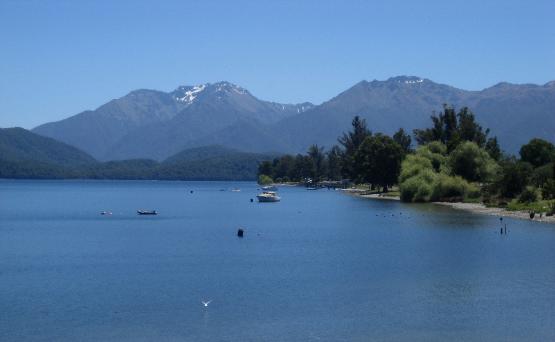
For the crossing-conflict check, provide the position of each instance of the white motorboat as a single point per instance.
(268, 196)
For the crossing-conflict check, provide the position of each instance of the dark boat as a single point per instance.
(147, 212)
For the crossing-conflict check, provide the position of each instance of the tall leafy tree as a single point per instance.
(404, 140)
(351, 142)
(537, 152)
(303, 168)
(334, 157)
(265, 168)
(472, 163)
(283, 168)
(318, 158)
(514, 177)
(469, 129)
(493, 148)
(380, 159)
(452, 129)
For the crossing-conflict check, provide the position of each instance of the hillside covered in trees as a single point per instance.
(26, 155)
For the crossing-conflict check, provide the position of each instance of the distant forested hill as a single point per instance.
(212, 162)
(24, 154)
(21, 144)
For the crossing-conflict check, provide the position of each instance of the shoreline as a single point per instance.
(474, 208)
(362, 193)
(479, 208)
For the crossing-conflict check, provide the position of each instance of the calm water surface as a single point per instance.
(318, 266)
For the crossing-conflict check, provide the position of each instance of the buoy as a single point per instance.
(252, 200)
(240, 232)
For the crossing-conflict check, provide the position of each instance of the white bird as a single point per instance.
(206, 303)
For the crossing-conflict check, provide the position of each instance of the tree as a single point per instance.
(334, 163)
(541, 175)
(404, 140)
(493, 148)
(537, 152)
(303, 168)
(514, 177)
(380, 159)
(264, 180)
(472, 163)
(452, 129)
(265, 168)
(548, 190)
(351, 142)
(318, 158)
(469, 129)
(283, 168)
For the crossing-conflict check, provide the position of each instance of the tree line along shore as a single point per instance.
(455, 160)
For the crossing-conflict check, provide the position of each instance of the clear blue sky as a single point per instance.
(58, 58)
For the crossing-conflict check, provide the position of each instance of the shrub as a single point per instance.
(550, 209)
(265, 180)
(529, 195)
(418, 188)
(448, 188)
(513, 177)
(413, 165)
(548, 190)
(473, 192)
(542, 175)
(423, 194)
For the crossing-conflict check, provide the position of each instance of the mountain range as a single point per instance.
(513, 113)
(154, 124)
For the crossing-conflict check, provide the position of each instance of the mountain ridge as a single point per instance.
(116, 130)
(227, 114)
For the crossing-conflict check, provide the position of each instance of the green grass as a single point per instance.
(538, 206)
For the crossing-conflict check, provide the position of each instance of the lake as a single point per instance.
(317, 266)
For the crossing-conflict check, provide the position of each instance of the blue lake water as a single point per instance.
(318, 266)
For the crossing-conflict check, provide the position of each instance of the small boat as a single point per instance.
(105, 213)
(270, 188)
(147, 212)
(268, 196)
(236, 190)
(312, 188)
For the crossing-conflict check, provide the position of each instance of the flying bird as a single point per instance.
(206, 303)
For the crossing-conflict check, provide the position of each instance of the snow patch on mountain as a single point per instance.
(190, 95)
